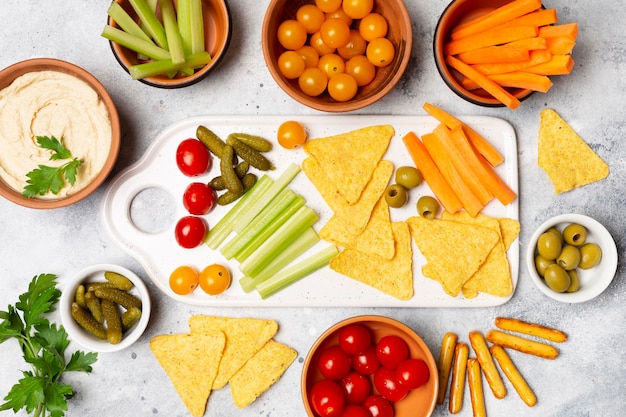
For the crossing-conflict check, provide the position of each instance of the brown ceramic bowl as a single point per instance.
(9, 74)
(217, 34)
(400, 33)
(418, 403)
(459, 11)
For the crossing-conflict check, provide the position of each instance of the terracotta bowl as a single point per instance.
(399, 32)
(217, 34)
(9, 74)
(459, 11)
(418, 403)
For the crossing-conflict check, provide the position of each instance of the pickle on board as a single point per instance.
(218, 184)
(228, 197)
(87, 322)
(113, 321)
(214, 143)
(229, 176)
(118, 280)
(94, 306)
(120, 297)
(257, 143)
(247, 153)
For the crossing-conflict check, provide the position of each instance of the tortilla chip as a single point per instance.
(393, 277)
(510, 231)
(349, 159)
(564, 155)
(191, 362)
(244, 337)
(260, 372)
(324, 186)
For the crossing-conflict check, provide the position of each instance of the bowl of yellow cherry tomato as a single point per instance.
(337, 55)
(571, 258)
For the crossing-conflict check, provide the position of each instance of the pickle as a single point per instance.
(120, 297)
(130, 317)
(119, 280)
(228, 197)
(113, 321)
(241, 169)
(213, 142)
(87, 322)
(229, 176)
(79, 296)
(252, 156)
(94, 306)
(255, 142)
(91, 286)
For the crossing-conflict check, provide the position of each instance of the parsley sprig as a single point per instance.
(43, 345)
(44, 179)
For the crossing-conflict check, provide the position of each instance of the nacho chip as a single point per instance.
(244, 338)
(260, 372)
(393, 277)
(564, 155)
(191, 362)
(324, 186)
(349, 159)
(377, 238)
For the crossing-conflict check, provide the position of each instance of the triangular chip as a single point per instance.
(260, 372)
(393, 277)
(327, 189)
(349, 159)
(565, 156)
(244, 337)
(454, 251)
(191, 362)
(377, 238)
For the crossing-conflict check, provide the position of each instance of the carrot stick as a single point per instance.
(537, 57)
(529, 43)
(429, 170)
(489, 38)
(491, 87)
(502, 191)
(497, 16)
(568, 29)
(495, 55)
(481, 144)
(560, 45)
(518, 79)
(558, 65)
(541, 17)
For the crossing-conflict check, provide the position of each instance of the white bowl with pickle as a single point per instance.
(105, 307)
(571, 258)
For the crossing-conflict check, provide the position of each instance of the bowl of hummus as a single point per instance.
(59, 133)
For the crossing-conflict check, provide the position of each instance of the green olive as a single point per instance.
(427, 207)
(556, 232)
(549, 245)
(590, 255)
(575, 234)
(574, 281)
(557, 278)
(408, 177)
(396, 196)
(569, 258)
(541, 264)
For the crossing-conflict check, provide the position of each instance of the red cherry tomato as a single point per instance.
(412, 373)
(192, 157)
(354, 338)
(334, 363)
(366, 362)
(199, 198)
(354, 410)
(357, 387)
(378, 406)
(190, 231)
(327, 398)
(387, 385)
(391, 350)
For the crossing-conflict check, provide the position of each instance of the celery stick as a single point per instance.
(197, 26)
(124, 21)
(269, 213)
(220, 231)
(294, 273)
(304, 218)
(281, 182)
(174, 41)
(138, 45)
(303, 242)
(183, 11)
(150, 22)
(150, 69)
(258, 240)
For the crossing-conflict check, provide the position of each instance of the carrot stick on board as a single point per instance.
(537, 57)
(495, 55)
(519, 79)
(429, 170)
(489, 38)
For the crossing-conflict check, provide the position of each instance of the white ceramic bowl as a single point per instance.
(95, 273)
(592, 281)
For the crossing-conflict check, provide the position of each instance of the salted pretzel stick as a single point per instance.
(475, 382)
(487, 364)
(513, 374)
(446, 355)
(522, 344)
(531, 329)
(457, 385)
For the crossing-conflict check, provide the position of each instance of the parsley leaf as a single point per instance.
(44, 179)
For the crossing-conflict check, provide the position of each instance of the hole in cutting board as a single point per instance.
(152, 210)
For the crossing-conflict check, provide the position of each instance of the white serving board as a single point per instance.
(159, 253)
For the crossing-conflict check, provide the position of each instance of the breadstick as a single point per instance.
(531, 329)
(522, 344)
(513, 374)
(487, 364)
(475, 382)
(457, 385)
(445, 363)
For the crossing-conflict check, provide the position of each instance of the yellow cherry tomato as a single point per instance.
(312, 82)
(355, 46)
(357, 9)
(292, 34)
(317, 42)
(311, 17)
(183, 280)
(291, 64)
(380, 52)
(331, 65)
(328, 6)
(291, 134)
(310, 56)
(342, 87)
(373, 26)
(339, 14)
(361, 69)
(215, 279)
(335, 32)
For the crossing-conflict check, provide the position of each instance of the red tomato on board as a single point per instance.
(357, 387)
(366, 362)
(354, 338)
(190, 231)
(378, 406)
(391, 350)
(387, 385)
(199, 198)
(192, 157)
(354, 410)
(412, 373)
(334, 363)
(327, 398)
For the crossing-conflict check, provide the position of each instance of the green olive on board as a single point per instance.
(408, 177)
(427, 207)
(396, 195)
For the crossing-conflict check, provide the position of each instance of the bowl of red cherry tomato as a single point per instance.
(369, 366)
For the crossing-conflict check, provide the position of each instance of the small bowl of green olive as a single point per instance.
(571, 258)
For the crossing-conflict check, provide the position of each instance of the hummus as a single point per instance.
(52, 103)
